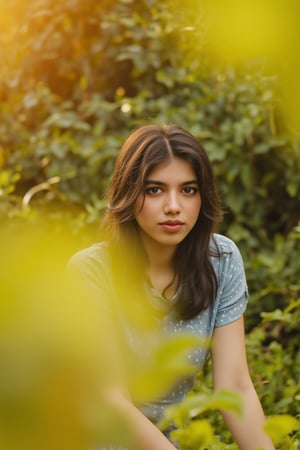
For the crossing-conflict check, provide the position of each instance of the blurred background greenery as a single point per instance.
(76, 77)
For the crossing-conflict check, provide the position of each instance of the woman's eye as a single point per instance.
(190, 190)
(153, 190)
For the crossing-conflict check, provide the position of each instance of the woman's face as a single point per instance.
(170, 205)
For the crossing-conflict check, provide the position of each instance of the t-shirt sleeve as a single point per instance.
(86, 276)
(233, 290)
(88, 288)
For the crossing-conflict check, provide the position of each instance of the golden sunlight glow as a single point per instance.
(266, 31)
(249, 28)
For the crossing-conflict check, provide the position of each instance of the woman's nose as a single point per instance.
(172, 205)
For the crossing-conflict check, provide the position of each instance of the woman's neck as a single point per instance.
(161, 267)
(160, 257)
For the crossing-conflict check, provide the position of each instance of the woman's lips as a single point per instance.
(171, 226)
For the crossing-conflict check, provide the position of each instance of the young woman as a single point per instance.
(162, 254)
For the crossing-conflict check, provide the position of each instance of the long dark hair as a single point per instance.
(144, 150)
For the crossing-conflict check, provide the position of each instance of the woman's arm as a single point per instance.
(87, 286)
(230, 371)
(145, 435)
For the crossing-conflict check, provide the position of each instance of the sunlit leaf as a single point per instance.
(168, 365)
(197, 434)
(194, 405)
(278, 427)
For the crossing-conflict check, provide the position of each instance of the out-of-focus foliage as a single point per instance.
(56, 353)
(51, 372)
(267, 30)
(77, 77)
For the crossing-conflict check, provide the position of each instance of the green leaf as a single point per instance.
(168, 365)
(276, 315)
(221, 399)
(196, 435)
(278, 427)
(196, 404)
(261, 148)
(30, 100)
(292, 188)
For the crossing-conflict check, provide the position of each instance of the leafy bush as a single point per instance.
(77, 77)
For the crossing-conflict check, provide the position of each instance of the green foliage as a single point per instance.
(197, 403)
(194, 429)
(278, 427)
(274, 276)
(77, 77)
(198, 434)
(168, 364)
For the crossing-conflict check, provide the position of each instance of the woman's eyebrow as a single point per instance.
(190, 182)
(161, 183)
(154, 182)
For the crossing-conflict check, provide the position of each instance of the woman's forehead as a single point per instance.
(173, 169)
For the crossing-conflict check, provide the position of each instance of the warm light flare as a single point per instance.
(267, 32)
(249, 29)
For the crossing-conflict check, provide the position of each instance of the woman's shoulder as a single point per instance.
(224, 251)
(90, 258)
(223, 244)
(93, 251)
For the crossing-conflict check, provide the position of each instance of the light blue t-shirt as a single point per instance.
(92, 267)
